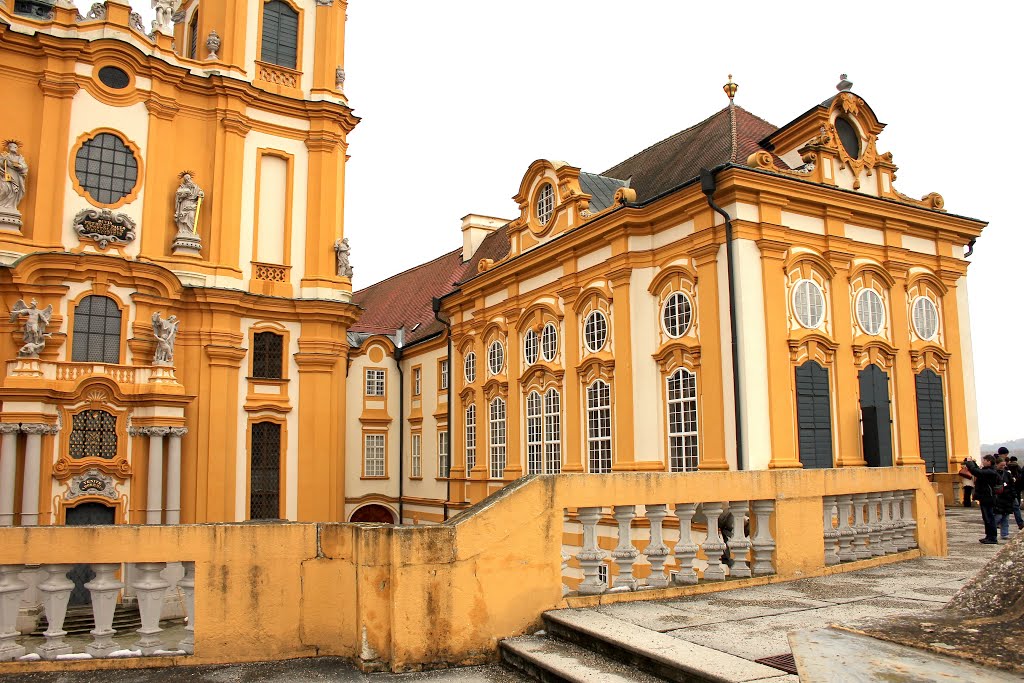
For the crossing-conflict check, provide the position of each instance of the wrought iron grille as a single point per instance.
(96, 337)
(93, 435)
(106, 168)
(267, 349)
(265, 471)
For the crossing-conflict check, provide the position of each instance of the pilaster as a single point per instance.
(850, 452)
(623, 456)
(908, 448)
(712, 397)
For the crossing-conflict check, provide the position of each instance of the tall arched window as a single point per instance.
(814, 415)
(599, 427)
(470, 438)
(543, 433)
(280, 39)
(552, 432)
(534, 434)
(265, 471)
(267, 353)
(497, 431)
(96, 337)
(931, 421)
(682, 421)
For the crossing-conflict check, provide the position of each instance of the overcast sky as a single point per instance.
(458, 97)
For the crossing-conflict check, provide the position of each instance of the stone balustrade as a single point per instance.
(149, 587)
(865, 525)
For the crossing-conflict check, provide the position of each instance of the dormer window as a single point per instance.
(849, 138)
(545, 203)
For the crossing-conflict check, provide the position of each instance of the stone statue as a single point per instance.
(164, 11)
(165, 331)
(339, 78)
(342, 251)
(13, 174)
(213, 44)
(188, 200)
(33, 334)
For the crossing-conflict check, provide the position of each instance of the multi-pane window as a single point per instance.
(676, 314)
(497, 442)
(926, 318)
(469, 365)
(599, 427)
(416, 385)
(93, 435)
(444, 463)
(96, 337)
(470, 438)
(442, 373)
(549, 342)
(280, 39)
(265, 471)
(267, 350)
(808, 304)
(543, 433)
(531, 349)
(495, 357)
(870, 311)
(373, 455)
(416, 456)
(682, 421)
(552, 432)
(595, 331)
(534, 434)
(545, 203)
(106, 168)
(374, 382)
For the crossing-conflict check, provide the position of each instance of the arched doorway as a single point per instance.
(85, 514)
(373, 513)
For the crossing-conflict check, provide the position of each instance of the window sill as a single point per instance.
(366, 478)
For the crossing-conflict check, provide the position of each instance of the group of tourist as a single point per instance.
(997, 486)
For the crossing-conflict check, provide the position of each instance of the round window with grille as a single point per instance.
(595, 331)
(808, 304)
(106, 168)
(870, 311)
(495, 357)
(545, 203)
(926, 318)
(676, 314)
(114, 77)
(470, 367)
(549, 342)
(531, 348)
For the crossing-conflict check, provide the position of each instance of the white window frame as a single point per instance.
(599, 428)
(531, 347)
(683, 429)
(374, 452)
(416, 456)
(496, 357)
(552, 431)
(545, 205)
(470, 437)
(375, 382)
(682, 315)
(444, 464)
(803, 316)
(534, 433)
(929, 309)
(497, 415)
(469, 367)
(591, 329)
(862, 297)
(417, 386)
(549, 342)
(443, 372)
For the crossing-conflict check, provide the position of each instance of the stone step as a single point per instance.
(671, 659)
(79, 620)
(557, 661)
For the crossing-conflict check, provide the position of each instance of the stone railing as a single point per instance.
(72, 371)
(149, 587)
(269, 272)
(866, 525)
(278, 75)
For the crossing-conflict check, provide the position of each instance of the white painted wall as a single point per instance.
(648, 394)
(272, 212)
(967, 354)
(753, 352)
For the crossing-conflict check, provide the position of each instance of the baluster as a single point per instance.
(713, 545)
(56, 590)
(150, 588)
(739, 544)
(846, 533)
(103, 591)
(188, 587)
(887, 524)
(656, 551)
(590, 556)
(899, 525)
(908, 518)
(686, 549)
(625, 553)
(860, 527)
(875, 524)
(11, 590)
(831, 534)
(565, 556)
(762, 542)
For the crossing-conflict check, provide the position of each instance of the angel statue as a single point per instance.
(165, 331)
(13, 172)
(33, 333)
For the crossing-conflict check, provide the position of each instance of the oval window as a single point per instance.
(870, 311)
(545, 203)
(530, 347)
(595, 331)
(926, 318)
(676, 314)
(549, 342)
(470, 367)
(495, 357)
(808, 304)
(114, 78)
(849, 138)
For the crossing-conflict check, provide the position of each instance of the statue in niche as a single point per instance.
(342, 250)
(165, 331)
(188, 200)
(33, 333)
(13, 174)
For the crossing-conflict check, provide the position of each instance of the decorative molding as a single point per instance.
(92, 482)
(104, 227)
(10, 428)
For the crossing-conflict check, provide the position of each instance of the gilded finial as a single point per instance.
(730, 88)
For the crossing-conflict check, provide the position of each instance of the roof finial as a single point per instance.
(844, 84)
(730, 88)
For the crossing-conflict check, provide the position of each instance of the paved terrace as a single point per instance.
(726, 627)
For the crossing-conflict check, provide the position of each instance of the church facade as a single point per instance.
(184, 345)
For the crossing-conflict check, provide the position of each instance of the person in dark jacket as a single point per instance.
(986, 481)
(1005, 497)
(1013, 467)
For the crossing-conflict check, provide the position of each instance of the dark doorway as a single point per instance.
(85, 514)
(876, 416)
(373, 513)
(931, 422)
(814, 415)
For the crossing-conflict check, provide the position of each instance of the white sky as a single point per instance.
(458, 97)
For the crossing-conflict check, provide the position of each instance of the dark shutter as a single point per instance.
(876, 416)
(280, 38)
(267, 351)
(814, 416)
(96, 337)
(931, 422)
(193, 36)
(265, 471)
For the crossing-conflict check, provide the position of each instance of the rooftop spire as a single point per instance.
(844, 85)
(730, 88)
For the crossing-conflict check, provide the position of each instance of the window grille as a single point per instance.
(552, 432)
(682, 421)
(97, 333)
(374, 382)
(106, 168)
(870, 311)
(443, 374)
(676, 314)
(545, 203)
(280, 40)
(470, 367)
(534, 434)
(595, 331)
(93, 435)
(599, 427)
(416, 457)
(530, 347)
(373, 455)
(265, 471)
(495, 357)
(470, 438)
(444, 463)
(549, 342)
(808, 304)
(267, 352)
(497, 430)
(416, 388)
(926, 318)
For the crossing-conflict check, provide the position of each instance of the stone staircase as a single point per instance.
(79, 619)
(585, 645)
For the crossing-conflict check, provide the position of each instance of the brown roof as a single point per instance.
(731, 135)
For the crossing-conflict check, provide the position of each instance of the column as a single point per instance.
(173, 505)
(907, 447)
(8, 465)
(30, 484)
(956, 392)
(155, 475)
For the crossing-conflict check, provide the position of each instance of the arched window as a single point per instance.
(93, 435)
(676, 314)
(682, 421)
(534, 434)
(267, 352)
(495, 357)
(814, 415)
(809, 304)
(470, 367)
(549, 342)
(265, 471)
(280, 40)
(931, 421)
(552, 432)
(531, 349)
(543, 433)
(470, 438)
(497, 430)
(599, 427)
(595, 331)
(193, 36)
(96, 337)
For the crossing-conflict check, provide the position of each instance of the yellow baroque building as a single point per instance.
(183, 343)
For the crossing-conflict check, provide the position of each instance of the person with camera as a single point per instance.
(986, 482)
